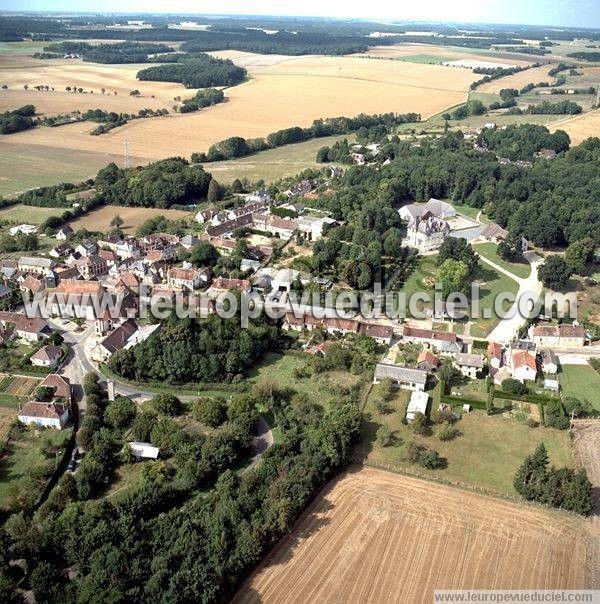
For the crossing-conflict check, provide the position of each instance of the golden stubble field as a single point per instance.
(17, 71)
(520, 79)
(580, 126)
(286, 93)
(372, 536)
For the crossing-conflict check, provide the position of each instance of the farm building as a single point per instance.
(402, 377)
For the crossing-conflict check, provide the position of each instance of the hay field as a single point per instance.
(20, 213)
(518, 80)
(371, 536)
(99, 220)
(17, 71)
(581, 126)
(290, 93)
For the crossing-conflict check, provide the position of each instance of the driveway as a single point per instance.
(508, 328)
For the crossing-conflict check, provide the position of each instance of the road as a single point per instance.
(508, 328)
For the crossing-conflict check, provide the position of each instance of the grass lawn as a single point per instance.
(489, 250)
(28, 214)
(273, 164)
(126, 478)
(582, 382)
(320, 388)
(486, 453)
(473, 389)
(422, 278)
(24, 456)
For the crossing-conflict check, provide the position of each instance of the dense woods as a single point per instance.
(203, 98)
(157, 185)
(201, 71)
(209, 350)
(121, 52)
(17, 120)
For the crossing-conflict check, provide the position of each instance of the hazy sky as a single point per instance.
(542, 12)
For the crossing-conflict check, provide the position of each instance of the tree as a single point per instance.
(454, 275)
(385, 436)
(120, 412)
(204, 254)
(511, 249)
(579, 255)
(513, 386)
(117, 222)
(446, 431)
(457, 248)
(237, 186)
(210, 411)
(166, 404)
(555, 273)
(420, 424)
(214, 191)
(386, 389)
(430, 459)
(44, 393)
(447, 372)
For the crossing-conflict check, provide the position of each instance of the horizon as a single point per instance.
(542, 13)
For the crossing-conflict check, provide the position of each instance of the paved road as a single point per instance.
(507, 329)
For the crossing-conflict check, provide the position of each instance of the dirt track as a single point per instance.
(372, 536)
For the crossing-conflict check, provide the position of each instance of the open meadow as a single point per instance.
(99, 219)
(371, 536)
(580, 127)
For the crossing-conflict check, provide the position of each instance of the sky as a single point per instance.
(572, 13)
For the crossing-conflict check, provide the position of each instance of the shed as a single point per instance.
(144, 450)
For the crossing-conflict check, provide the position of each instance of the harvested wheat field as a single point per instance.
(16, 72)
(99, 220)
(286, 94)
(580, 127)
(372, 536)
(520, 79)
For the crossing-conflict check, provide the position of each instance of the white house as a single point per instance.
(558, 336)
(549, 361)
(417, 404)
(46, 356)
(64, 233)
(435, 207)
(182, 278)
(469, 364)
(48, 415)
(426, 233)
(523, 365)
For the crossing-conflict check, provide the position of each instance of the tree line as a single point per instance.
(121, 52)
(203, 98)
(17, 120)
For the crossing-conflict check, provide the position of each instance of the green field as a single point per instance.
(422, 278)
(28, 214)
(273, 164)
(425, 58)
(20, 48)
(490, 251)
(582, 382)
(25, 457)
(24, 167)
(486, 453)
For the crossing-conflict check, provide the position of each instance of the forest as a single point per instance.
(552, 203)
(17, 120)
(199, 71)
(203, 98)
(207, 350)
(121, 52)
(157, 185)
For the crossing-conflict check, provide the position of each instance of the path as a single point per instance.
(508, 328)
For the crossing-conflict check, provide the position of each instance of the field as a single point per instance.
(272, 164)
(582, 382)
(293, 92)
(518, 80)
(27, 214)
(485, 455)
(99, 220)
(375, 537)
(580, 127)
(489, 251)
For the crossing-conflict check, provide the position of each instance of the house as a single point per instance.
(143, 450)
(313, 226)
(5, 293)
(249, 208)
(47, 415)
(189, 241)
(76, 298)
(224, 284)
(499, 375)
(229, 226)
(61, 385)
(382, 334)
(189, 279)
(546, 154)
(125, 336)
(109, 257)
(426, 233)
(307, 322)
(39, 266)
(495, 355)
(434, 207)
(283, 279)
(46, 356)
(342, 326)
(62, 249)
(402, 377)
(32, 285)
(86, 248)
(417, 404)
(206, 215)
(31, 330)
(91, 266)
(558, 336)
(261, 196)
(123, 248)
(469, 364)
(249, 265)
(427, 361)
(64, 233)
(281, 227)
(523, 365)
(549, 361)
(25, 229)
(444, 341)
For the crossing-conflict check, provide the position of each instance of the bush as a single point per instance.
(166, 404)
(120, 412)
(430, 459)
(210, 411)
(385, 436)
(420, 424)
(446, 432)
(513, 386)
